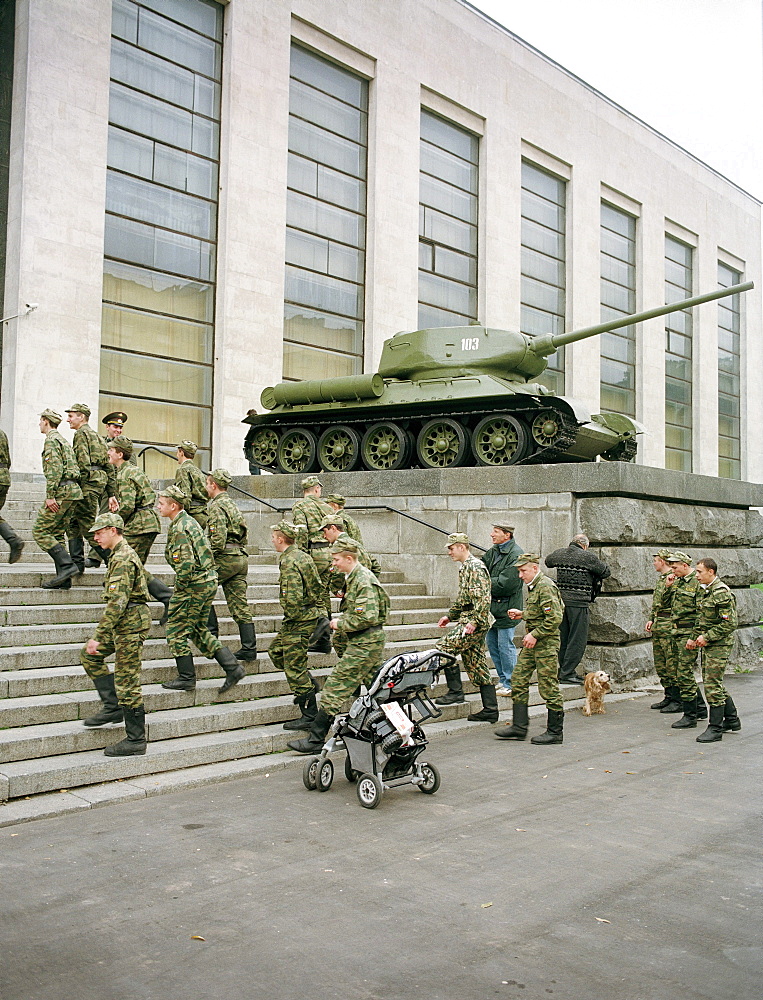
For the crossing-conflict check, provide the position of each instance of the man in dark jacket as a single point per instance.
(505, 592)
(579, 577)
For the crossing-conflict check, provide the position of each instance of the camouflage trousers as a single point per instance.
(322, 560)
(288, 652)
(200, 516)
(127, 643)
(187, 622)
(664, 663)
(50, 528)
(685, 661)
(141, 544)
(472, 650)
(103, 508)
(232, 569)
(84, 512)
(543, 659)
(715, 656)
(360, 659)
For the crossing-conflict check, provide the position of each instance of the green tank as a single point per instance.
(453, 396)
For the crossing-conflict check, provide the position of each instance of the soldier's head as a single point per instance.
(660, 560)
(282, 535)
(107, 530)
(218, 482)
(332, 527)
(582, 541)
(528, 566)
(458, 546)
(120, 450)
(311, 486)
(335, 501)
(49, 420)
(114, 423)
(171, 501)
(185, 450)
(78, 415)
(344, 554)
(680, 563)
(707, 570)
(501, 533)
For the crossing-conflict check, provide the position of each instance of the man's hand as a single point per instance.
(529, 641)
(700, 641)
(113, 505)
(92, 647)
(649, 626)
(52, 504)
(670, 579)
(514, 613)
(470, 628)
(443, 621)
(691, 644)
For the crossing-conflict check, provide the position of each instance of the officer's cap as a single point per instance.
(173, 492)
(123, 444)
(189, 447)
(679, 557)
(222, 477)
(336, 498)
(118, 418)
(53, 418)
(663, 554)
(457, 538)
(527, 557)
(504, 527)
(80, 408)
(309, 482)
(332, 519)
(346, 544)
(107, 521)
(286, 528)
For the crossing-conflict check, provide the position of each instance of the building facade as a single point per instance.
(200, 199)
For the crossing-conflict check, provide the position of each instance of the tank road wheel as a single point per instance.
(339, 449)
(442, 443)
(499, 440)
(297, 451)
(385, 446)
(546, 428)
(263, 447)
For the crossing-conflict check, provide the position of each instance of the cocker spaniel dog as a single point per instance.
(596, 685)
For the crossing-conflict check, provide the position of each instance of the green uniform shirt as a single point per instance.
(137, 501)
(125, 584)
(473, 601)
(92, 458)
(351, 527)
(192, 481)
(336, 579)
(662, 601)
(544, 607)
(60, 468)
(226, 527)
(716, 612)
(301, 590)
(5, 460)
(188, 552)
(686, 591)
(308, 513)
(366, 602)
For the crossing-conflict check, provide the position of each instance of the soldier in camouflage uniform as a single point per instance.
(659, 628)
(683, 616)
(61, 471)
(714, 635)
(334, 529)
(336, 501)
(6, 531)
(307, 514)
(189, 554)
(227, 533)
(360, 636)
(192, 482)
(301, 596)
(114, 425)
(543, 613)
(123, 629)
(94, 474)
(471, 611)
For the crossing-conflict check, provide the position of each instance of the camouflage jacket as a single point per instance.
(351, 527)
(309, 512)
(716, 612)
(5, 460)
(473, 601)
(337, 580)
(225, 526)
(187, 551)
(125, 584)
(544, 608)
(92, 458)
(111, 489)
(301, 590)
(366, 602)
(192, 481)
(662, 600)
(136, 501)
(60, 468)
(686, 590)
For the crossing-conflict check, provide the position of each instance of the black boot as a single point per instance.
(554, 729)
(234, 672)
(77, 552)
(714, 731)
(17, 546)
(65, 569)
(315, 739)
(162, 593)
(701, 705)
(518, 728)
(320, 637)
(308, 706)
(689, 719)
(135, 727)
(212, 624)
(248, 649)
(94, 558)
(731, 721)
(186, 679)
(111, 710)
(675, 704)
(455, 692)
(489, 712)
(665, 701)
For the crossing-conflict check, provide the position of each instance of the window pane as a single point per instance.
(179, 44)
(156, 76)
(309, 326)
(130, 152)
(323, 292)
(204, 16)
(327, 112)
(446, 294)
(326, 76)
(431, 318)
(134, 286)
(325, 147)
(452, 232)
(138, 331)
(450, 168)
(450, 137)
(314, 216)
(150, 117)
(139, 199)
(308, 363)
(156, 378)
(448, 199)
(124, 20)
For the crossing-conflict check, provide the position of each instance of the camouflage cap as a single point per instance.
(286, 528)
(79, 408)
(335, 520)
(677, 556)
(123, 444)
(53, 418)
(222, 477)
(527, 557)
(107, 521)
(346, 544)
(309, 482)
(189, 447)
(336, 498)
(173, 492)
(504, 527)
(118, 418)
(457, 538)
(661, 554)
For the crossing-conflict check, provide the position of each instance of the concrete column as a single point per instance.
(583, 368)
(705, 363)
(650, 336)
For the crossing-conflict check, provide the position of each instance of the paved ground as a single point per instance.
(624, 865)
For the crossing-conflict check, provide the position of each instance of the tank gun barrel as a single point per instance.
(546, 345)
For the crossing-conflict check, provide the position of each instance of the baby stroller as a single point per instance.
(381, 737)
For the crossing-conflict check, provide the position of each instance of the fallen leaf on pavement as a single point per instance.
(198, 937)
(603, 921)
(485, 905)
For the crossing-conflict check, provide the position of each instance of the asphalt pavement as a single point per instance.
(623, 865)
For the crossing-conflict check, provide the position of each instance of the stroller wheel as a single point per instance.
(431, 781)
(369, 791)
(352, 776)
(310, 773)
(324, 775)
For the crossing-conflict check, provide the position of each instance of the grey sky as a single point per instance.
(692, 69)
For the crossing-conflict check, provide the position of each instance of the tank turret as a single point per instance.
(446, 397)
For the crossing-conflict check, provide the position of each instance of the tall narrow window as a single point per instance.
(326, 220)
(678, 358)
(543, 263)
(447, 224)
(618, 298)
(729, 367)
(161, 222)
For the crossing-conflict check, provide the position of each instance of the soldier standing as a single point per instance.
(61, 471)
(543, 613)
(359, 641)
(714, 635)
(6, 531)
(188, 553)
(659, 628)
(307, 514)
(301, 597)
(227, 533)
(686, 589)
(336, 501)
(191, 480)
(94, 475)
(114, 425)
(471, 611)
(123, 629)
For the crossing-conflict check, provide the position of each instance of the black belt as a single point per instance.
(148, 506)
(74, 482)
(318, 545)
(135, 604)
(95, 465)
(231, 546)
